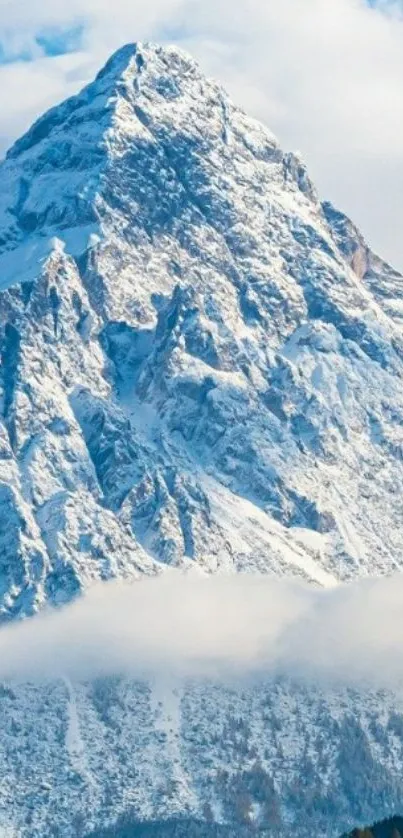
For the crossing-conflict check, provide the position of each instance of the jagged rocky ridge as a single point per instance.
(201, 366)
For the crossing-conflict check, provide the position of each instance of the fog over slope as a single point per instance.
(234, 629)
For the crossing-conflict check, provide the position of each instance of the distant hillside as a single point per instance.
(179, 828)
(392, 828)
(182, 828)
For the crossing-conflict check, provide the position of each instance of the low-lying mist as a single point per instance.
(220, 627)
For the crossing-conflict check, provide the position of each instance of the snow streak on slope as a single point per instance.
(201, 366)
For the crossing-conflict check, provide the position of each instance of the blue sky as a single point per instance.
(19, 42)
(47, 41)
(325, 75)
(54, 41)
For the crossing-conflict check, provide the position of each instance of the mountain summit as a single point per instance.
(199, 360)
(201, 365)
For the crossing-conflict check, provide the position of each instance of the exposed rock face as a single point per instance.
(201, 365)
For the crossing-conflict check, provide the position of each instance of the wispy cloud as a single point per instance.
(223, 627)
(325, 75)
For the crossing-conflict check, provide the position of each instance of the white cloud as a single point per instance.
(27, 89)
(325, 75)
(222, 627)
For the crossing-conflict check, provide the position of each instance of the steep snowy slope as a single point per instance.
(201, 365)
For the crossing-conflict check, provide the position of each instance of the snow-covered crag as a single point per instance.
(201, 365)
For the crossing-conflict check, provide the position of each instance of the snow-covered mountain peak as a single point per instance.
(190, 342)
(63, 177)
(200, 367)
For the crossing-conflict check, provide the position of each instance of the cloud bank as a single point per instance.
(220, 627)
(325, 75)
